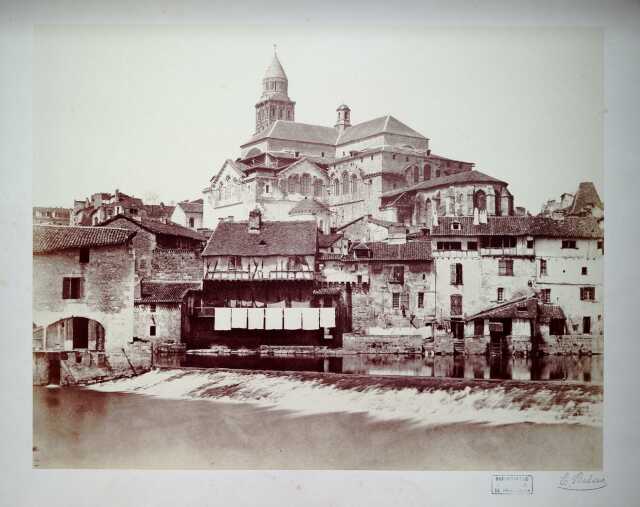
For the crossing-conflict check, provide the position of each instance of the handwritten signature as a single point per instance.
(581, 481)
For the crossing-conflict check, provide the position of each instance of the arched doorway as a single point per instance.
(74, 333)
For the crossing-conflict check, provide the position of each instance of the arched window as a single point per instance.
(345, 183)
(317, 187)
(305, 184)
(336, 187)
(427, 172)
(480, 200)
(293, 183)
(354, 184)
(428, 211)
(416, 174)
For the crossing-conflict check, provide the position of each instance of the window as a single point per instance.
(420, 299)
(587, 293)
(505, 267)
(500, 294)
(455, 226)
(306, 184)
(84, 255)
(498, 242)
(71, 288)
(478, 327)
(397, 274)
(235, 263)
(449, 245)
(317, 187)
(545, 294)
(472, 245)
(456, 304)
(601, 245)
(569, 243)
(393, 156)
(586, 325)
(192, 222)
(584, 270)
(152, 330)
(359, 279)
(354, 184)
(456, 274)
(345, 183)
(543, 267)
(322, 154)
(152, 308)
(529, 243)
(557, 327)
(336, 187)
(395, 300)
(133, 211)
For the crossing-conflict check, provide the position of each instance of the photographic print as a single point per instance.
(318, 247)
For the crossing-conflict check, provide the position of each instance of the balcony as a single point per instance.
(254, 276)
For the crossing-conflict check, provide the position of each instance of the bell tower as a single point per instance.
(274, 103)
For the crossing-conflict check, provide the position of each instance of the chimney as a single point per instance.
(255, 221)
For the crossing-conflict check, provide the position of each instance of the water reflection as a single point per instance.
(578, 368)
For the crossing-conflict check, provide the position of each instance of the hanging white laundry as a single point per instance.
(239, 318)
(273, 318)
(310, 318)
(293, 318)
(256, 318)
(276, 304)
(222, 319)
(328, 317)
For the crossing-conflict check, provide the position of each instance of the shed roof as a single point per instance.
(274, 238)
(51, 238)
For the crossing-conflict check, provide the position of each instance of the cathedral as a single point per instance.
(291, 170)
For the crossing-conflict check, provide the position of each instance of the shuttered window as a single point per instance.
(456, 274)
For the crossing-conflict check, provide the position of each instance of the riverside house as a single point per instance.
(258, 288)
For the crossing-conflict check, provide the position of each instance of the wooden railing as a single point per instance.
(263, 275)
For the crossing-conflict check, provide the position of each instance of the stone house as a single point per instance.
(83, 287)
(163, 250)
(51, 216)
(158, 310)
(188, 214)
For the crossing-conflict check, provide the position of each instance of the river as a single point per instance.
(238, 419)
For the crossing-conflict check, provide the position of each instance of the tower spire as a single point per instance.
(274, 104)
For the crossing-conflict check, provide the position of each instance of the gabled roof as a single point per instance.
(238, 166)
(383, 125)
(296, 131)
(274, 238)
(191, 206)
(307, 205)
(51, 238)
(444, 181)
(158, 210)
(157, 227)
(522, 307)
(569, 227)
(165, 292)
(586, 197)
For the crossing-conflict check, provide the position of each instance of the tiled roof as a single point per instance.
(326, 240)
(51, 238)
(191, 206)
(444, 181)
(586, 197)
(274, 238)
(385, 124)
(158, 210)
(165, 292)
(330, 257)
(569, 227)
(296, 131)
(523, 307)
(307, 205)
(384, 223)
(409, 251)
(157, 227)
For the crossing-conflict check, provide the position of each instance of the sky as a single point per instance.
(154, 111)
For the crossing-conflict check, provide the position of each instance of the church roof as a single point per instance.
(445, 181)
(296, 131)
(385, 124)
(275, 69)
(307, 205)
